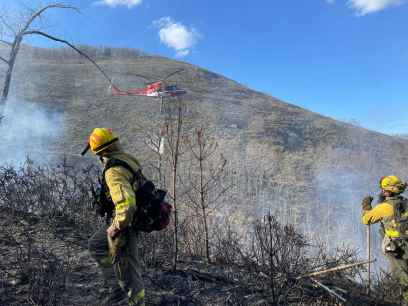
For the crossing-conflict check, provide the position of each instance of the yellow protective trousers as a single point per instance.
(124, 269)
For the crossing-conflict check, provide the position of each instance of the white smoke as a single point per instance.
(339, 192)
(28, 130)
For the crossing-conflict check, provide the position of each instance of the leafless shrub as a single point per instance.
(228, 245)
(192, 242)
(277, 255)
(44, 204)
(267, 267)
(60, 193)
(271, 263)
(156, 248)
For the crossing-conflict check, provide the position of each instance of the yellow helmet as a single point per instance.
(392, 184)
(100, 139)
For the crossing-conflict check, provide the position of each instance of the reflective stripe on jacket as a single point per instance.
(119, 181)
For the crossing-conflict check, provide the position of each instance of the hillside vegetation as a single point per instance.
(304, 168)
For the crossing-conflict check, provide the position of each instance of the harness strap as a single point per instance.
(137, 174)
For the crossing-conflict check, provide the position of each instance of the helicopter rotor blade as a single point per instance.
(173, 73)
(167, 76)
(148, 79)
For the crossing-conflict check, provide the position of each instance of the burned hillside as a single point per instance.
(307, 171)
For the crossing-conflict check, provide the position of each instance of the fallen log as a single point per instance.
(330, 291)
(336, 269)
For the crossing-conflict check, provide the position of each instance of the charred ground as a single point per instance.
(45, 259)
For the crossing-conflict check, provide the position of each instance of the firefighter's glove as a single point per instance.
(112, 231)
(116, 246)
(366, 204)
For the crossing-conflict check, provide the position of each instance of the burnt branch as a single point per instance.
(18, 36)
(7, 25)
(37, 14)
(5, 42)
(4, 60)
(71, 46)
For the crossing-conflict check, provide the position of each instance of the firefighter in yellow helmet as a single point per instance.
(392, 212)
(115, 247)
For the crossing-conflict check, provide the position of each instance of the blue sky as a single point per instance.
(347, 59)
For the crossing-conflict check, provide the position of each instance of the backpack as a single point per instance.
(400, 207)
(153, 212)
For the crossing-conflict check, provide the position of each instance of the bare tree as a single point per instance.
(17, 34)
(206, 179)
(13, 35)
(174, 137)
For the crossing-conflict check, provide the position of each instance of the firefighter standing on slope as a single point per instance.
(115, 247)
(392, 212)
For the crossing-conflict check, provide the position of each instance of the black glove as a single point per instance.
(366, 204)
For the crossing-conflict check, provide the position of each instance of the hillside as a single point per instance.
(305, 166)
(71, 84)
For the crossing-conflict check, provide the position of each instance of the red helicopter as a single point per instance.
(154, 89)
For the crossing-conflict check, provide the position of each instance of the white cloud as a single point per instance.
(176, 36)
(330, 1)
(183, 53)
(114, 3)
(364, 7)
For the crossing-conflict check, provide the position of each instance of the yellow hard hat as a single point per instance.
(392, 184)
(100, 139)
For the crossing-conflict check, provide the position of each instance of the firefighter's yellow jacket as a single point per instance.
(384, 212)
(377, 213)
(119, 181)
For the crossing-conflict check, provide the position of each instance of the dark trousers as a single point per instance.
(124, 269)
(399, 265)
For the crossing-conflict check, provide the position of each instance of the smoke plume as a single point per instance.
(28, 130)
